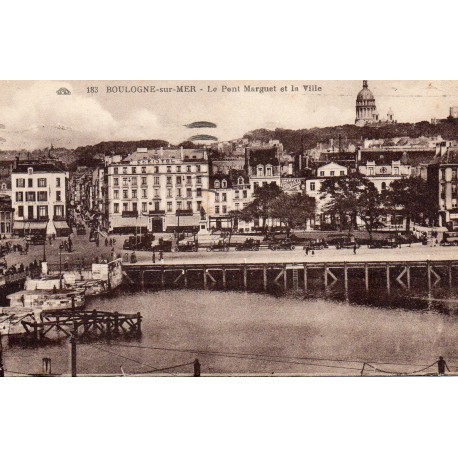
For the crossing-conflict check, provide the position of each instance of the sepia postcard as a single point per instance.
(228, 228)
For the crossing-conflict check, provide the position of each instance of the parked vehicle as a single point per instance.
(317, 244)
(35, 239)
(387, 243)
(188, 246)
(80, 229)
(449, 238)
(140, 242)
(346, 243)
(219, 246)
(285, 244)
(248, 245)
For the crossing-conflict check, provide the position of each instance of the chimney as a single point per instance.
(247, 157)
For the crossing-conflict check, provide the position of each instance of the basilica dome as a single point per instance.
(365, 94)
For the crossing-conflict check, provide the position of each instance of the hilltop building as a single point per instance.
(366, 109)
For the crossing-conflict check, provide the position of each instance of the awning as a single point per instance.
(36, 225)
(61, 225)
(18, 225)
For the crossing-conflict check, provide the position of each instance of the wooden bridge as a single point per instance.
(83, 324)
(403, 275)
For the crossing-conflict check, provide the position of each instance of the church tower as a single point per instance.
(366, 111)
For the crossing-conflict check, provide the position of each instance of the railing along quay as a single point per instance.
(295, 275)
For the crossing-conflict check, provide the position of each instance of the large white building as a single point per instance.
(157, 190)
(39, 198)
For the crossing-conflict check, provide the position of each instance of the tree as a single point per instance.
(293, 210)
(413, 197)
(260, 207)
(351, 197)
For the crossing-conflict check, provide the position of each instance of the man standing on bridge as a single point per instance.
(441, 365)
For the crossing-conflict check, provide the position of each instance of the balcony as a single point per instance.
(184, 213)
(129, 214)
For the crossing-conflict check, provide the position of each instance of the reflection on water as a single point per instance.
(322, 332)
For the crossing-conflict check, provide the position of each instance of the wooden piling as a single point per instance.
(264, 277)
(366, 276)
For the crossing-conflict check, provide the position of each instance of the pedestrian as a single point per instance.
(441, 365)
(354, 248)
(106, 242)
(306, 251)
(313, 252)
(161, 255)
(154, 257)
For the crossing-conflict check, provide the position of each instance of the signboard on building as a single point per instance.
(292, 185)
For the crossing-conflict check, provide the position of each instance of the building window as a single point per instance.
(156, 169)
(134, 193)
(178, 181)
(42, 182)
(169, 181)
(216, 197)
(143, 169)
(224, 197)
(188, 192)
(20, 183)
(134, 181)
(332, 173)
(125, 207)
(342, 173)
(58, 182)
(134, 169)
(383, 186)
(144, 181)
(30, 196)
(188, 180)
(116, 194)
(115, 171)
(178, 168)
(237, 206)
(116, 182)
(20, 196)
(169, 192)
(198, 168)
(42, 196)
(179, 192)
(156, 205)
(217, 209)
(156, 181)
(30, 170)
(396, 171)
(144, 193)
(58, 210)
(58, 196)
(198, 180)
(216, 184)
(20, 211)
(198, 192)
(245, 194)
(260, 170)
(269, 171)
(224, 184)
(224, 209)
(179, 203)
(156, 193)
(240, 180)
(125, 194)
(371, 170)
(124, 170)
(30, 183)
(321, 174)
(144, 207)
(169, 169)
(134, 207)
(43, 211)
(169, 206)
(116, 208)
(312, 186)
(188, 168)
(189, 205)
(124, 181)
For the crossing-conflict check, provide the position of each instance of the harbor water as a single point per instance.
(233, 332)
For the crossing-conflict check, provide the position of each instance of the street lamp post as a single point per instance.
(60, 265)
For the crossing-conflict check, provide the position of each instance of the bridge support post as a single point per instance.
(346, 277)
(429, 275)
(408, 276)
(366, 276)
(185, 274)
(224, 277)
(388, 285)
(285, 278)
(305, 278)
(264, 277)
(325, 276)
(245, 278)
(450, 274)
(163, 277)
(205, 277)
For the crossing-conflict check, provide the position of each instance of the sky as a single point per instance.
(33, 115)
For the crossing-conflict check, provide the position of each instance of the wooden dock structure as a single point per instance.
(296, 276)
(83, 324)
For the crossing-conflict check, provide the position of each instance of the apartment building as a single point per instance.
(157, 190)
(39, 198)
